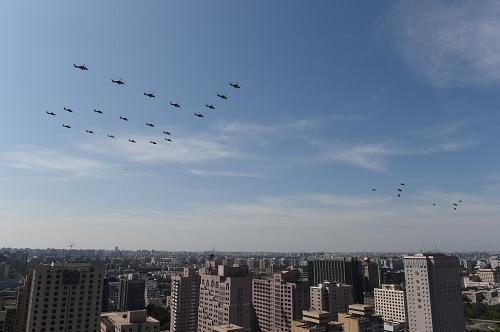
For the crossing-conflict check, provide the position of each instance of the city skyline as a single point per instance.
(335, 99)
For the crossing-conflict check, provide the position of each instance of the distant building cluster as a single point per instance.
(321, 293)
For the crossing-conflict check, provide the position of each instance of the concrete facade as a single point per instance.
(339, 270)
(184, 302)
(129, 321)
(390, 302)
(331, 297)
(225, 296)
(279, 300)
(62, 297)
(434, 293)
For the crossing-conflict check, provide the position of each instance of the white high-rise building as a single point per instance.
(434, 293)
(390, 302)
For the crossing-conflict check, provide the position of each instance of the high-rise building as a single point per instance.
(390, 303)
(111, 294)
(7, 318)
(371, 274)
(331, 297)
(279, 300)
(361, 318)
(338, 270)
(434, 293)
(225, 296)
(132, 294)
(131, 321)
(184, 301)
(152, 292)
(61, 297)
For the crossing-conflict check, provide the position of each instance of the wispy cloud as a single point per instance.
(375, 156)
(368, 156)
(200, 172)
(33, 158)
(266, 133)
(260, 129)
(450, 42)
(181, 150)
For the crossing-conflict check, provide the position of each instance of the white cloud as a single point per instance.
(450, 42)
(33, 158)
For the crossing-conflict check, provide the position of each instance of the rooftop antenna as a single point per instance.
(71, 244)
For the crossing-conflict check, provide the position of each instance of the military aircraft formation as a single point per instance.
(399, 191)
(149, 94)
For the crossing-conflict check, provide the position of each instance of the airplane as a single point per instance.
(131, 141)
(175, 104)
(210, 106)
(111, 136)
(235, 85)
(98, 111)
(221, 96)
(373, 189)
(119, 82)
(89, 131)
(199, 115)
(150, 125)
(68, 109)
(51, 113)
(152, 142)
(66, 126)
(123, 118)
(149, 94)
(168, 139)
(402, 184)
(167, 132)
(81, 67)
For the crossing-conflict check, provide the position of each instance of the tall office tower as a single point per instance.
(184, 301)
(371, 275)
(111, 294)
(225, 296)
(61, 297)
(361, 318)
(390, 302)
(339, 270)
(152, 292)
(132, 294)
(330, 297)
(279, 300)
(434, 293)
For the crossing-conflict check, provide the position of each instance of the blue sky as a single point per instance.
(336, 98)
